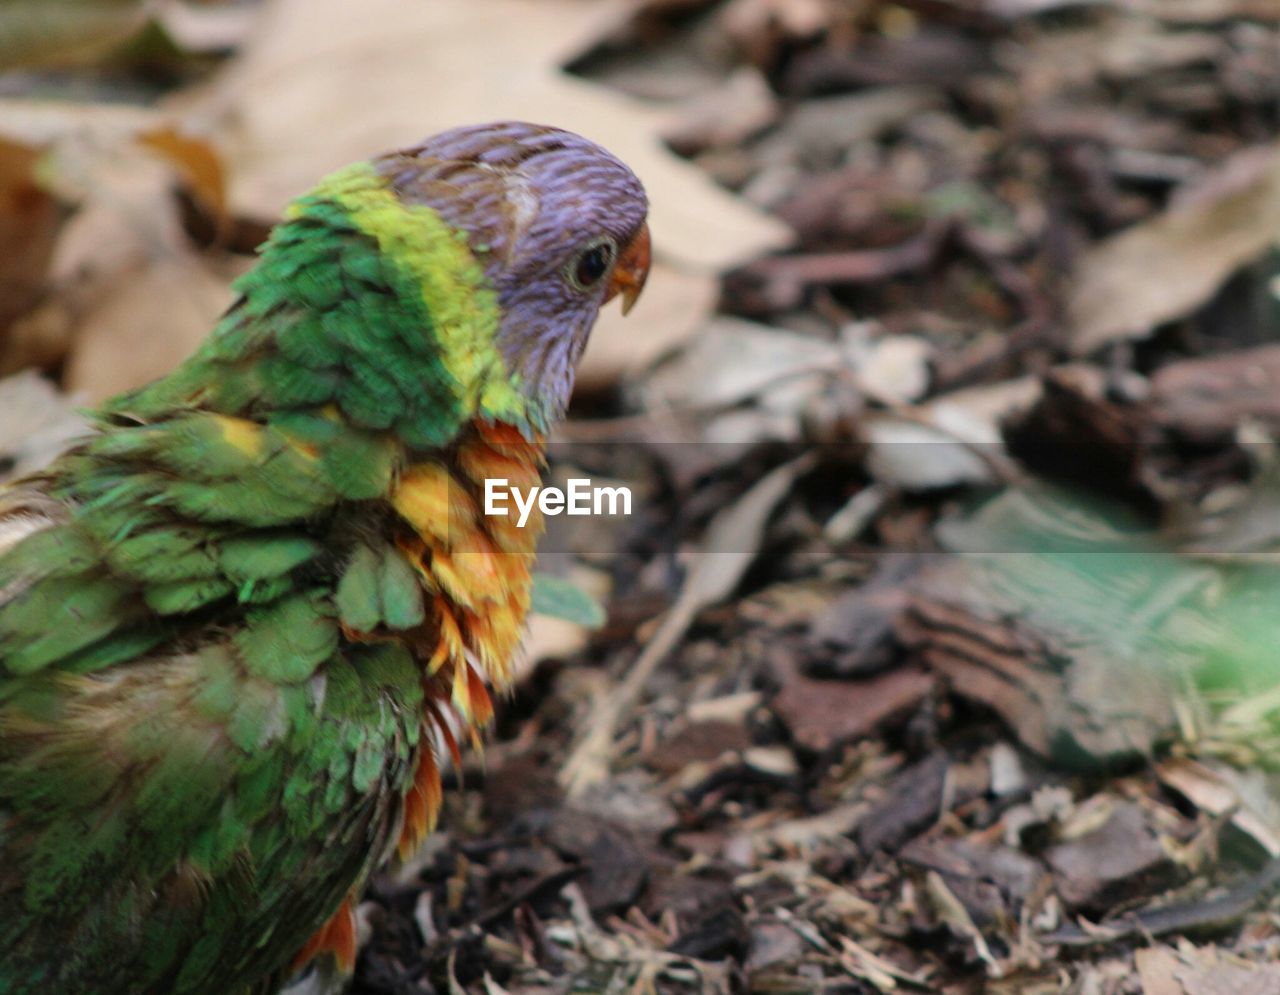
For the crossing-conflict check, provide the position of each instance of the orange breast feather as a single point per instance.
(477, 572)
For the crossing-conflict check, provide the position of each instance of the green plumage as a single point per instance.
(221, 646)
(327, 318)
(195, 766)
(219, 773)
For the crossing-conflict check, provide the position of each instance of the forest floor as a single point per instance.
(939, 650)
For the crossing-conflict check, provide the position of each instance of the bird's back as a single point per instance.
(195, 766)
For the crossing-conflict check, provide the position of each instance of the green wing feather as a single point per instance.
(197, 765)
(194, 768)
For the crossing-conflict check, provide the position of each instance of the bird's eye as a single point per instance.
(592, 263)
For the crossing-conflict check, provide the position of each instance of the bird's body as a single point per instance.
(240, 624)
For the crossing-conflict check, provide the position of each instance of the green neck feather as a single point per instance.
(364, 303)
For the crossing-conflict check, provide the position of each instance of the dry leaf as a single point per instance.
(1165, 268)
(734, 538)
(674, 306)
(735, 360)
(725, 115)
(1218, 790)
(1203, 971)
(199, 165)
(1155, 969)
(126, 292)
(892, 369)
(744, 382)
(146, 322)
(57, 32)
(29, 221)
(1204, 11)
(914, 456)
(205, 27)
(36, 424)
(43, 122)
(139, 298)
(758, 25)
(326, 82)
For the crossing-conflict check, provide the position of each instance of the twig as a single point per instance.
(731, 545)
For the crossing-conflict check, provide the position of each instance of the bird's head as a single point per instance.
(557, 224)
(454, 280)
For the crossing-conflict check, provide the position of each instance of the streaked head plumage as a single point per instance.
(557, 222)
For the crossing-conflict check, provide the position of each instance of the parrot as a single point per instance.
(249, 616)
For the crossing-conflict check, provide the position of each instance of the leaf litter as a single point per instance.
(937, 652)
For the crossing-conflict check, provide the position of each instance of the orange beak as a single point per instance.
(631, 270)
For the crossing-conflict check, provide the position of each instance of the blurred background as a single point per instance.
(944, 626)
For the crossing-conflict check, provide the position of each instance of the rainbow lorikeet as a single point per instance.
(241, 623)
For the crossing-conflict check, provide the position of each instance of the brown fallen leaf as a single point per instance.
(675, 304)
(1205, 11)
(1211, 395)
(126, 293)
(326, 82)
(912, 799)
(913, 455)
(1203, 971)
(1221, 911)
(951, 911)
(145, 322)
(199, 165)
(44, 122)
(1111, 863)
(733, 361)
(36, 424)
(726, 115)
(200, 26)
(1216, 790)
(29, 220)
(743, 19)
(1155, 969)
(821, 714)
(58, 32)
(1165, 268)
